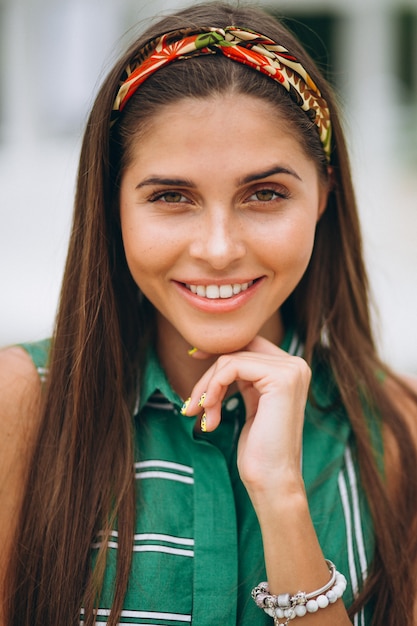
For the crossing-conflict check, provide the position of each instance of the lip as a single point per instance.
(218, 305)
(219, 281)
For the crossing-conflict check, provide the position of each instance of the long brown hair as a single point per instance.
(81, 477)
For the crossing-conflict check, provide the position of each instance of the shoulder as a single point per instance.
(20, 395)
(20, 385)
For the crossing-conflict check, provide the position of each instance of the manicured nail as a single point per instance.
(202, 399)
(191, 351)
(184, 407)
(203, 423)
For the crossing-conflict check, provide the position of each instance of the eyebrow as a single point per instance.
(277, 169)
(169, 182)
(250, 178)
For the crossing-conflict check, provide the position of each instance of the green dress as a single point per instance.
(197, 549)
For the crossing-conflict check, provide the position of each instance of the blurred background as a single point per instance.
(53, 56)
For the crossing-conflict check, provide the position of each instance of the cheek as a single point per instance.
(143, 256)
(289, 247)
(137, 242)
(302, 246)
(149, 249)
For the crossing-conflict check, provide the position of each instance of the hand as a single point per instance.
(274, 386)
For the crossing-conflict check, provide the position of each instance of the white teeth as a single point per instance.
(213, 292)
(226, 291)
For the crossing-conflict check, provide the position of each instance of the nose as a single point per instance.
(218, 238)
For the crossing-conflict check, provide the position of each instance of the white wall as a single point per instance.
(53, 54)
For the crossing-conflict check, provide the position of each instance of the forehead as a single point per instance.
(232, 126)
(230, 107)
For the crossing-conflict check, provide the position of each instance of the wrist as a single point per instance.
(286, 606)
(274, 498)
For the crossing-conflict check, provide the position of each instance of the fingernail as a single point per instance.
(184, 407)
(203, 423)
(202, 399)
(191, 351)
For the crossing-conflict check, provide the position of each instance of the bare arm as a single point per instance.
(20, 392)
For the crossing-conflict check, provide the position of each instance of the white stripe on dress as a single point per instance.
(163, 549)
(162, 406)
(159, 471)
(153, 548)
(359, 618)
(167, 464)
(356, 514)
(360, 544)
(294, 345)
(348, 521)
(165, 476)
(185, 541)
(176, 617)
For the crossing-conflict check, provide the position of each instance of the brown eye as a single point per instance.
(172, 196)
(268, 194)
(265, 195)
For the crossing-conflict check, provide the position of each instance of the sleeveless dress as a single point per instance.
(197, 549)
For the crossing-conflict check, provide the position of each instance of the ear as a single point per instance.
(325, 189)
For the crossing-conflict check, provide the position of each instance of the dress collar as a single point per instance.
(154, 379)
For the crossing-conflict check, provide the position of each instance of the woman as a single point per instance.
(215, 292)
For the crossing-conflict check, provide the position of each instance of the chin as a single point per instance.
(223, 346)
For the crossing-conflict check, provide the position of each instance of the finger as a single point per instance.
(257, 345)
(276, 377)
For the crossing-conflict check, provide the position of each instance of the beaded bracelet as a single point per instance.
(287, 607)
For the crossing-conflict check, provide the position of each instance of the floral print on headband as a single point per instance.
(241, 45)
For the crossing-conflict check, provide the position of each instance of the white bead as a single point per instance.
(312, 606)
(338, 590)
(270, 612)
(342, 582)
(288, 613)
(279, 613)
(332, 597)
(322, 601)
(300, 610)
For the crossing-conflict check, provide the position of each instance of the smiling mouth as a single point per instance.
(213, 292)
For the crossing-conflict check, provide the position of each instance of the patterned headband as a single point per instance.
(241, 45)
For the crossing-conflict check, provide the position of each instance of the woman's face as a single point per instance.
(218, 207)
